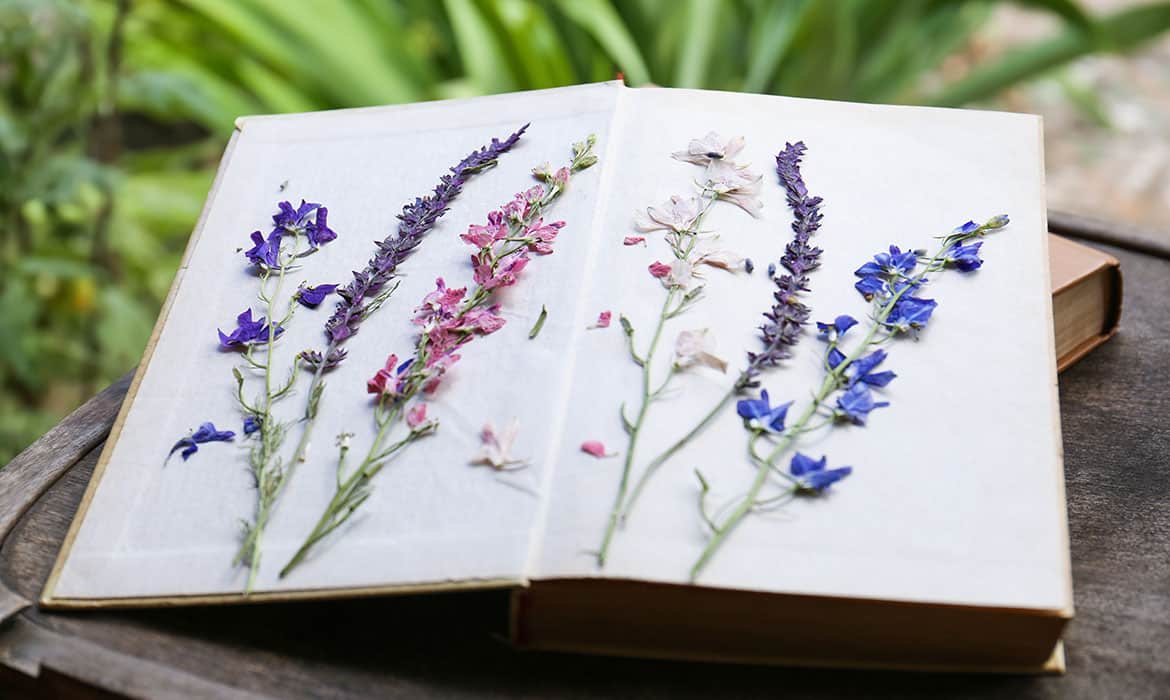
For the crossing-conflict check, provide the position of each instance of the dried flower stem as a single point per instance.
(353, 489)
(878, 332)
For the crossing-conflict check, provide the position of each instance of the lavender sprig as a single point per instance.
(783, 321)
(891, 282)
(371, 287)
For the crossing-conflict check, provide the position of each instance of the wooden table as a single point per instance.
(1115, 407)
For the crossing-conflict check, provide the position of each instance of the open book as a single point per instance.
(945, 547)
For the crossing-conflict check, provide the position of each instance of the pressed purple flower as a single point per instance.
(290, 219)
(891, 264)
(783, 322)
(319, 232)
(812, 475)
(761, 414)
(855, 404)
(312, 296)
(251, 425)
(361, 295)
(247, 331)
(265, 252)
(205, 433)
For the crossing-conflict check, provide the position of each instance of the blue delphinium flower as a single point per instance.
(759, 413)
(312, 296)
(965, 258)
(889, 264)
(836, 329)
(251, 425)
(856, 403)
(910, 314)
(811, 473)
(861, 370)
(205, 433)
(290, 219)
(319, 232)
(247, 331)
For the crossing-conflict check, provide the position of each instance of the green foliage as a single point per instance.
(113, 113)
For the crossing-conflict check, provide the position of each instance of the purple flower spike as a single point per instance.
(781, 329)
(417, 218)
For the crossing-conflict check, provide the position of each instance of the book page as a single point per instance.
(161, 531)
(956, 494)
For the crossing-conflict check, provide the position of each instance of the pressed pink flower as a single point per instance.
(417, 415)
(444, 301)
(659, 269)
(678, 215)
(495, 449)
(736, 184)
(603, 320)
(436, 368)
(485, 320)
(595, 448)
(482, 236)
(562, 177)
(543, 235)
(388, 380)
(710, 148)
(633, 240)
(505, 272)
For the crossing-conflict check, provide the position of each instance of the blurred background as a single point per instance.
(113, 115)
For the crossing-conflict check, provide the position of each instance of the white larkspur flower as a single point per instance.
(697, 347)
(496, 448)
(676, 215)
(736, 184)
(715, 257)
(709, 148)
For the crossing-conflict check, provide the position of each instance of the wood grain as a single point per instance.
(1115, 405)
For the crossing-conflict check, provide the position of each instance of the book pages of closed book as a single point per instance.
(956, 495)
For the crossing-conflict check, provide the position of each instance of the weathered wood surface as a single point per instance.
(1116, 416)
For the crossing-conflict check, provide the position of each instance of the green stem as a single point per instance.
(628, 463)
(831, 383)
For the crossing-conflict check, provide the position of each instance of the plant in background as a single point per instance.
(891, 282)
(448, 318)
(297, 233)
(681, 220)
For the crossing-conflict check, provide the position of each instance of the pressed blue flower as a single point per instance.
(835, 358)
(759, 413)
(812, 475)
(312, 296)
(964, 257)
(205, 433)
(861, 370)
(247, 331)
(771, 269)
(748, 265)
(910, 313)
(969, 227)
(265, 252)
(855, 404)
(889, 264)
(869, 287)
(319, 232)
(836, 329)
(251, 425)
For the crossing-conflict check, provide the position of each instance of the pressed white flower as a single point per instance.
(716, 257)
(709, 148)
(496, 450)
(697, 347)
(676, 215)
(736, 184)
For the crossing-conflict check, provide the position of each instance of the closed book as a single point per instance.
(1086, 298)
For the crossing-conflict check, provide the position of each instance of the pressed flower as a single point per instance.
(596, 448)
(856, 403)
(722, 259)
(696, 348)
(736, 184)
(203, 434)
(659, 269)
(710, 148)
(389, 380)
(416, 416)
(964, 257)
(248, 331)
(910, 314)
(313, 296)
(836, 330)
(603, 320)
(760, 414)
(861, 370)
(812, 476)
(678, 214)
(495, 449)
(265, 252)
(319, 232)
(251, 425)
(633, 240)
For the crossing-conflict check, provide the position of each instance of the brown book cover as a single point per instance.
(1086, 298)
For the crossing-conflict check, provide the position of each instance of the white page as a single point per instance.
(165, 531)
(957, 493)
